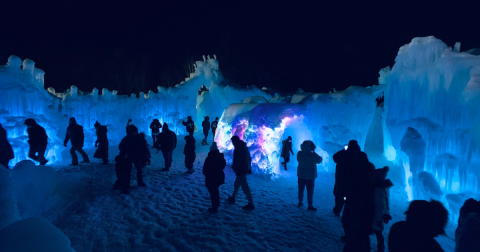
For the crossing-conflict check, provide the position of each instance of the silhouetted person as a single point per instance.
(206, 129)
(132, 149)
(189, 151)
(76, 137)
(307, 172)
(468, 231)
(145, 152)
(6, 151)
(37, 139)
(214, 175)
(241, 165)
(345, 162)
(359, 210)
(286, 149)
(155, 127)
(214, 127)
(168, 142)
(101, 143)
(189, 125)
(129, 123)
(382, 207)
(425, 221)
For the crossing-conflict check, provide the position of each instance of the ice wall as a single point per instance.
(330, 120)
(23, 96)
(432, 118)
(336, 118)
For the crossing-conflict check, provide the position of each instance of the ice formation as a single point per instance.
(432, 118)
(23, 96)
(330, 120)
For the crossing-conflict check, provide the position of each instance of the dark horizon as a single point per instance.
(316, 47)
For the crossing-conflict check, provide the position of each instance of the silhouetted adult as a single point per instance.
(189, 151)
(382, 206)
(76, 137)
(131, 151)
(345, 162)
(286, 149)
(37, 139)
(168, 142)
(468, 231)
(6, 151)
(206, 129)
(155, 127)
(242, 166)
(214, 175)
(425, 221)
(214, 127)
(189, 125)
(101, 143)
(307, 172)
(358, 215)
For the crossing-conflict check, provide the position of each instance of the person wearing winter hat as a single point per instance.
(168, 142)
(241, 165)
(214, 175)
(382, 208)
(286, 149)
(214, 126)
(307, 172)
(155, 126)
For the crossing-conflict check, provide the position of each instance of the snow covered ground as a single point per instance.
(170, 214)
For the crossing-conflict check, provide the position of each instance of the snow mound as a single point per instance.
(33, 234)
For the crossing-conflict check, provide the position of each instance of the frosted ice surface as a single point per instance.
(435, 91)
(23, 96)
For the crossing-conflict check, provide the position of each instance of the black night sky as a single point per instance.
(283, 45)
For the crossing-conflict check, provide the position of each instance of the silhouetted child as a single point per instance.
(145, 152)
(382, 208)
(286, 149)
(189, 151)
(101, 143)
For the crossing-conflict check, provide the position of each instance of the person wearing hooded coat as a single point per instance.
(424, 221)
(189, 151)
(206, 129)
(307, 172)
(241, 165)
(155, 126)
(214, 175)
(101, 143)
(76, 137)
(37, 139)
(214, 127)
(6, 151)
(168, 142)
(359, 209)
(189, 125)
(286, 149)
(382, 206)
(345, 160)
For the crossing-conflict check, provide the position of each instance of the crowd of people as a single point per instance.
(361, 192)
